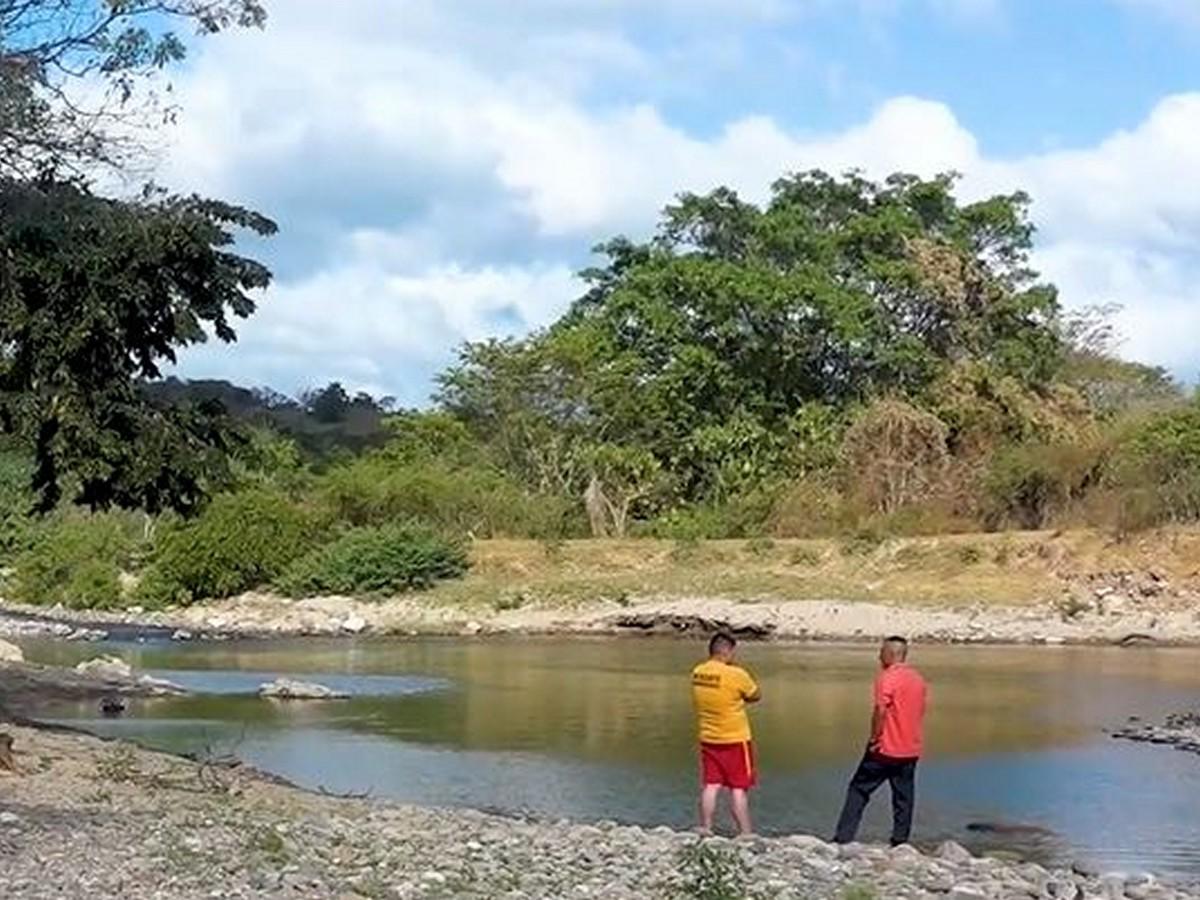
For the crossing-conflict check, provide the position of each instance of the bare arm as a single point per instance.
(751, 692)
(877, 719)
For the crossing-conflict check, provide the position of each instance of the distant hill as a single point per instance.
(322, 421)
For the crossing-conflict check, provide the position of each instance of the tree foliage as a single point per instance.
(95, 296)
(78, 78)
(738, 342)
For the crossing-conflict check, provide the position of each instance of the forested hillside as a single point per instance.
(853, 359)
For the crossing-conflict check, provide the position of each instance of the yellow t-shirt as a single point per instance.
(719, 692)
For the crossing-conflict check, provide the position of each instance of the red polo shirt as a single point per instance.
(900, 692)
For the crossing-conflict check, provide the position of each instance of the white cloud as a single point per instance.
(434, 193)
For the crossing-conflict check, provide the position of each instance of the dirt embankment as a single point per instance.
(1007, 588)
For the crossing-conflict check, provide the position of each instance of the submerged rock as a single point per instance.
(108, 667)
(288, 689)
(1180, 730)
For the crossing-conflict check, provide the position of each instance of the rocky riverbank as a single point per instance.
(1180, 730)
(25, 684)
(1033, 587)
(1107, 619)
(86, 818)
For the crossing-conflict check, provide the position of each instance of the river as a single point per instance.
(602, 729)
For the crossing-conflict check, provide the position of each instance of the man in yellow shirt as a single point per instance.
(720, 692)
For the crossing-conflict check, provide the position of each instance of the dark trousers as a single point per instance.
(873, 771)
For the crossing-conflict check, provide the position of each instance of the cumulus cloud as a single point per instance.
(438, 176)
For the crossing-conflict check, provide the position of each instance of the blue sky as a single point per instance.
(440, 170)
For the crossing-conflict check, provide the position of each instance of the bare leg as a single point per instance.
(740, 801)
(708, 806)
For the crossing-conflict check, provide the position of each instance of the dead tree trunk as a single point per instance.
(597, 507)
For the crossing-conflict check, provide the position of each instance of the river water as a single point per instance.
(602, 729)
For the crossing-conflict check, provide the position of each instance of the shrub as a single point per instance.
(863, 542)
(387, 559)
(239, 542)
(809, 507)
(896, 454)
(16, 501)
(75, 561)
(805, 556)
(709, 872)
(760, 546)
(1155, 471)
(969, 555)
(746, 515)
(482, 502)
(1030, 484)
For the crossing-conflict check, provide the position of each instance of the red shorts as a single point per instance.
(729, 765)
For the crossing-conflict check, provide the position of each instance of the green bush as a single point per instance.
(240, 541)
(709, 872)
(743, 516)
(805, 556)
(1155, 471)
(75, 561)
(16, 501)
(387, 559)
(1031, 484)
(482, 502)
(760, 546)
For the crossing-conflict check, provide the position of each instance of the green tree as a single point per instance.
(621, 478)
(705, 346)
(95, 296)
(121, 46)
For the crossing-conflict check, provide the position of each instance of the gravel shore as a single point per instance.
(1107, 618)
(88, 818)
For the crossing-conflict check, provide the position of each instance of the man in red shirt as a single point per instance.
(894, 747)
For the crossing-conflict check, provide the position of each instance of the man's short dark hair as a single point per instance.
(896, 639)
(722, 640)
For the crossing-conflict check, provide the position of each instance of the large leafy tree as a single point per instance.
(80, 78)
(95, 296)
(737, 322)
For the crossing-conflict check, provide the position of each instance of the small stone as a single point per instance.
(472, 628)
(954, 852)
(967, 892)
(354, 624)
(9, 819)
(1112, 886)
(1084, 868)
(906, 853)
(10, 653)
(182, 634)
(853, 851)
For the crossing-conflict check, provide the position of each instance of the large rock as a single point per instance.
(954, 853)
(107, 667)
(10, 653)
(287, 689)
